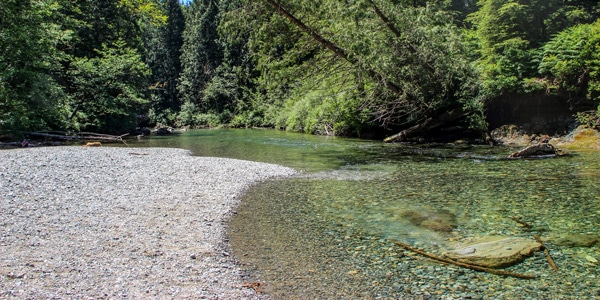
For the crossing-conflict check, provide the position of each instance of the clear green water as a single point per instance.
(330, 232)
(299, 151)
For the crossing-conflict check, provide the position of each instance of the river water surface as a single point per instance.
(329, 233)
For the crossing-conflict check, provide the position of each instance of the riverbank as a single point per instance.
(121, 223)
(581, 138)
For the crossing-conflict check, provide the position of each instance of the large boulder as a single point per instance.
(495, 251)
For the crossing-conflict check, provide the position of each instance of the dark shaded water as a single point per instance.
(329, 233)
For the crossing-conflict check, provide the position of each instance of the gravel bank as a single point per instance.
(120, 223)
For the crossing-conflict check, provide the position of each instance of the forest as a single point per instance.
(328, 67)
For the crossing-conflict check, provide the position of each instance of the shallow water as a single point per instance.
(300, 151)
(329, 233)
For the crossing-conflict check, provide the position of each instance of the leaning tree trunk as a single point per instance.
(331, 46)
(430, 123)
(398, 35)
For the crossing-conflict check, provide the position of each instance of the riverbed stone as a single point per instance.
(441, 221)
(537, 150)
(579, 240)
(494, 251)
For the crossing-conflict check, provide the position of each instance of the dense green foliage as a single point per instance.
(73, 64)
(325, 67)
(571, 61)
(29, 95)
(510, 34)
(107, 88)
(163, 45)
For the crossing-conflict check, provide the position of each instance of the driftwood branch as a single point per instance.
(521, 222)
(79, 136)
(464, 265)
(547, 253)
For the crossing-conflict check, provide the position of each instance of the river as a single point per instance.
(329, 233)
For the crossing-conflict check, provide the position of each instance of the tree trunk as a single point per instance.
(396, 32)
(331, 46)
(427, 125)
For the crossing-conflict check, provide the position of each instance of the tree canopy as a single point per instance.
(325, 67)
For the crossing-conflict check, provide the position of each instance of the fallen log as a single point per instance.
(463, 265)
(427, 125)
(68, 136)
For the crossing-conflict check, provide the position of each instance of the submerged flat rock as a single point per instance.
(578, 240)
(495, 252)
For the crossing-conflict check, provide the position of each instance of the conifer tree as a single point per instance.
(200, 52)
(163, 50)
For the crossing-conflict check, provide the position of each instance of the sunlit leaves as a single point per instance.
(510, 32)
(571, 60)
(408, 65)
(147, 10)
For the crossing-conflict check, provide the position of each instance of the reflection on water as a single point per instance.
(299, 151)
(329, 232)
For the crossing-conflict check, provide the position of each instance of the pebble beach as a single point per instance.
(109, 222)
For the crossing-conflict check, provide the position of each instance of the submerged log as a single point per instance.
(547, 253)
(464, 265)
(494, 251)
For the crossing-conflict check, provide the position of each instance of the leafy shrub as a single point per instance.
(589, 119)
(108, 89)
(330, 108)
(190, 115)
(571, 61)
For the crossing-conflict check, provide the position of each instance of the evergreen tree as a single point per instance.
(200, 57)
(105, 77)
(30, 97)
(163, 50)
(232, 84)
(509, 33)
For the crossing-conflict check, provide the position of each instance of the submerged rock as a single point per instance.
(495, 252)
(578, 240)
(443, 221)
(537, 150)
